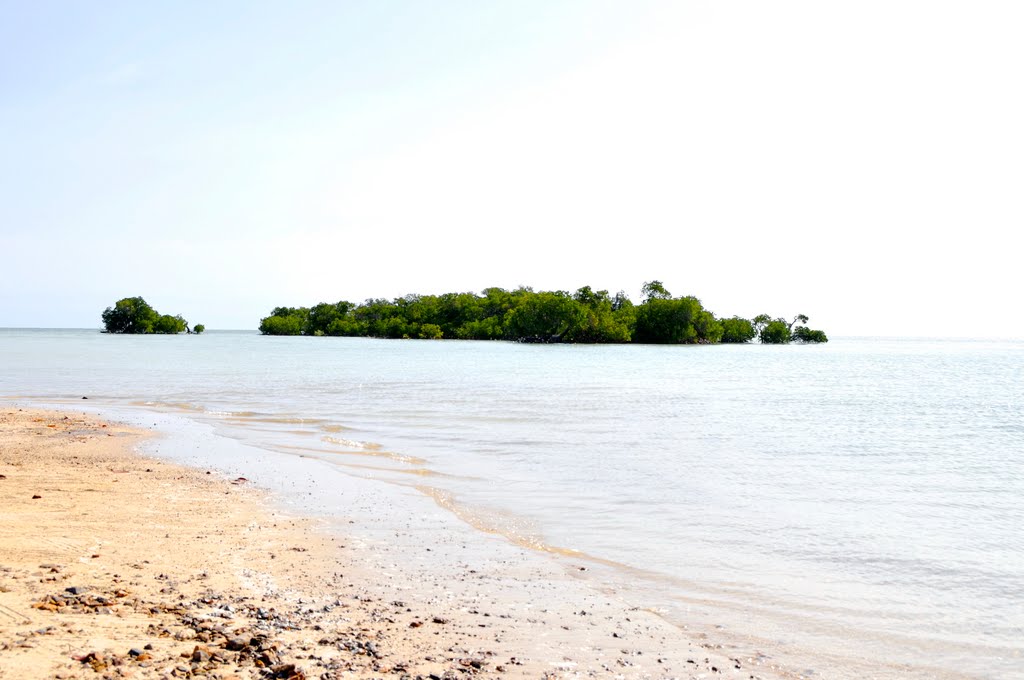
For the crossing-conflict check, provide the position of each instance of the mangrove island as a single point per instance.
(523, 315)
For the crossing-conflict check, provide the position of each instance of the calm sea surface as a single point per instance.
(867, 493)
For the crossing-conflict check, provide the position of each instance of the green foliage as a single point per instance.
(134, 315)
(282, 324)
(430, 331)
(709, 329)
(586, 316)
(759, 322)
(600, 322)
(319, 318)
(775, 332)
(653, 290)
(737, 330)
(198, 328)
(544, 317)
(661, 320)
(169, 324)
(806, 335)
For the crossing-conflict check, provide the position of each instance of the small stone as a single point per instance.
(287, 670)
(269, 658)
(236, 644)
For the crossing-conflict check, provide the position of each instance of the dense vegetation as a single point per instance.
(134, 315)
(586, 316)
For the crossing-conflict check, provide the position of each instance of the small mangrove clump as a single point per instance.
(134, 316)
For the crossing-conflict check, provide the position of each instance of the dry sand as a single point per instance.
(115, 565)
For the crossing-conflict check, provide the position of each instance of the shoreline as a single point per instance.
(194, 564)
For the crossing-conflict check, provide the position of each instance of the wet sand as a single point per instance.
(116, 565)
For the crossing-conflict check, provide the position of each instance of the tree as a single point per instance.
(668, 321)
(775, 332)
(321, 316)
(430, 331)
(653, 290)
(759, 322)
(709, 329)
(599, 322)
(620, 301)
(198, 328)
(544, 317)
(170, 325)
(807, 335)
(737, 330)
(134, 315)
(278, 324)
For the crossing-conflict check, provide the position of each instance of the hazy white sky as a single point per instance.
(859, 162)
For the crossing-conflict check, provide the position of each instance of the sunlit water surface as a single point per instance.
(867, 493)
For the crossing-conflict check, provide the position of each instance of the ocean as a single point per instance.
(864, 497)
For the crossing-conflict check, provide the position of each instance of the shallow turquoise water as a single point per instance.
(867, 493)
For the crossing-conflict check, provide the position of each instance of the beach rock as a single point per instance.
(269, 658)
(287, 671)
(94, 659)
(236, 644)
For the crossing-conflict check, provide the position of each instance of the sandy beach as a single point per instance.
(116, 565)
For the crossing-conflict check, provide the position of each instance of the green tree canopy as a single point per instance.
(130, 315)
(675, 321)
(170, 324)
(775, 332)
(737, 330)
(654, 290)
(586, 316)
(134, 316)
(545, 317)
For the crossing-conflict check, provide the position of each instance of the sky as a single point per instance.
(860, 163)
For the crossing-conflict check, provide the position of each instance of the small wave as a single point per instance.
(352, 443)
(390, 455)
(173, 406)
(242, 417)
(514, 528)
